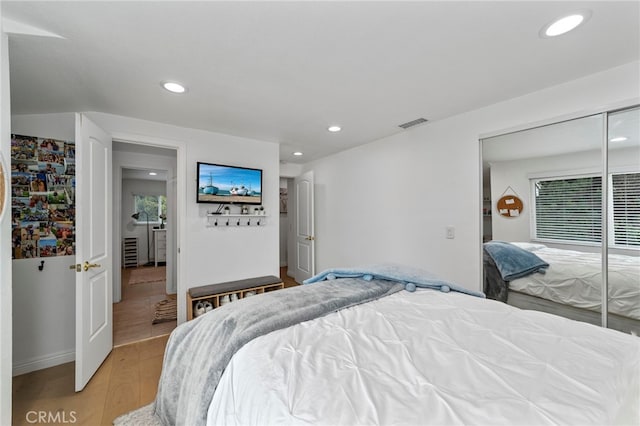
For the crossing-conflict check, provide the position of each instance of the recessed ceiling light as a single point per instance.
(153, 174)
(565, 24)
(618, 139)
(334, 129)
(297, 153)
(173, 87)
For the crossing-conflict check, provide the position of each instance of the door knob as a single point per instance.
(88, 265)
(310, 238)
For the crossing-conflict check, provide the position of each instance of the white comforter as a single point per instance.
(433, 358)
(574, 278)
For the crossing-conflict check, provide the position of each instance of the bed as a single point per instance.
(571, 285)
(387, 349)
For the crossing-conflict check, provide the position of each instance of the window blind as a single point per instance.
(626, 209)
(569, 209)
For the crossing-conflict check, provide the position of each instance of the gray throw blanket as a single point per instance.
(494, 286)
(198, 351)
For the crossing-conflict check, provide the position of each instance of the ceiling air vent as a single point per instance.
(413, 123)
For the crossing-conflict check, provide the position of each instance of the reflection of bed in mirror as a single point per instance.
(571, 286)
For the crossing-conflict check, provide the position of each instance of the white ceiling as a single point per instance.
(284, 71)
(143, 174)
(140, 174)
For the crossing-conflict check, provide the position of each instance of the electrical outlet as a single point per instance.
(451, 232)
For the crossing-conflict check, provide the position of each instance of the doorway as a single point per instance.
(286, 232)
(297, 227)
(284, 228)
(145, 224)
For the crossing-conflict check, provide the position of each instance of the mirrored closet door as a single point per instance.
(544, 201)
(623, 219)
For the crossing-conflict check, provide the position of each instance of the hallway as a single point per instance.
(133, 315)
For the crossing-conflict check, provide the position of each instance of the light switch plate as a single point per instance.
(451, 232)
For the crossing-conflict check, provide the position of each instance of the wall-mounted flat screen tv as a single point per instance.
(222, 184)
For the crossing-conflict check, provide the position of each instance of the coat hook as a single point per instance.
(227, 222)
(216, 222)
(248, 222)
(41, 267)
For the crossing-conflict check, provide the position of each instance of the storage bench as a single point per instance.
(214, 293)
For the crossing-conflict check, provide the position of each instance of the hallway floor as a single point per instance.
(132, 316)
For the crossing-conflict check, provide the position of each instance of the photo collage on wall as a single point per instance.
(43, 185)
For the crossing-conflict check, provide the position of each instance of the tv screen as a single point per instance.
(228, 184)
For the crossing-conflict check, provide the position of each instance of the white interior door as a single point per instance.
(94, 314)
(305, 237)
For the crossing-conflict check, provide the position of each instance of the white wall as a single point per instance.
(290, 170)
(44, 313)
(211, 254)
(43, 301)
(391, 200)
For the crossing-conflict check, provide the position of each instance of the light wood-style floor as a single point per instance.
(128, 379)
(133, 315)
(287, 280)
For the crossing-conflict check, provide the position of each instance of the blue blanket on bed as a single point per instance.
(410, 277)
(514, 262)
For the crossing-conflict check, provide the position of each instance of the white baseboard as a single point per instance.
(41, 362)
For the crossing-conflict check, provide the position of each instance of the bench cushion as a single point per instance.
(230, 286)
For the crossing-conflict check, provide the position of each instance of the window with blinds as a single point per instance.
(626, 209)
(569, 209)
